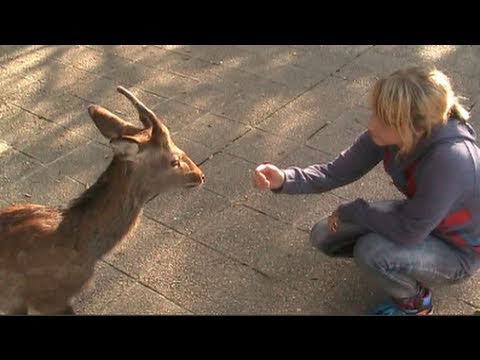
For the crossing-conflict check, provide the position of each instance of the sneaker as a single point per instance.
(422, 305)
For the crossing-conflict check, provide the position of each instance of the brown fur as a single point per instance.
(47, 255)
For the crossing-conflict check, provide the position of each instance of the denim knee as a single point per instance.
(368, 250)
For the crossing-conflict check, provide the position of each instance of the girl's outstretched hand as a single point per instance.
(268, 177)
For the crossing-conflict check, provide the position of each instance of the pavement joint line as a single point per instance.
(138, 281)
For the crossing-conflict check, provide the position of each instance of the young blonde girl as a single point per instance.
(420, 131)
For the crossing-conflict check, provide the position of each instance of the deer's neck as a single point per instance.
(106, 212)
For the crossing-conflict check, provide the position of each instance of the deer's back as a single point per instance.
(32, 255)
(30, 236)
(25, 227)
(34, 231)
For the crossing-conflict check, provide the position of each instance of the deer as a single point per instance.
(48, 255)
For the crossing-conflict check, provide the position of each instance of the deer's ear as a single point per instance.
(110, 125)
(125, 148)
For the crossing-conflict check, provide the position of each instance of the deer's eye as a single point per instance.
(175, 163)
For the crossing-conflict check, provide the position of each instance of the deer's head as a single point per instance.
(151, 150)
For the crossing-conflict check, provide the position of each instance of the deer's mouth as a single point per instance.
(195, 181)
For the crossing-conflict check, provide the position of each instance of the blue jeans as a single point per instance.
(398, 269)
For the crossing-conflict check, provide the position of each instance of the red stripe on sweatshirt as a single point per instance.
(387, 158)
(460, 217)
(410, 178)
(457, 239)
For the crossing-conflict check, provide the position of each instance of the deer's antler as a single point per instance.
(147, 116)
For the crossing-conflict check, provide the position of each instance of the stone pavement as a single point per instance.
(225, 248)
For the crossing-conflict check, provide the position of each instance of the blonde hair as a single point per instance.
(413, 101)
